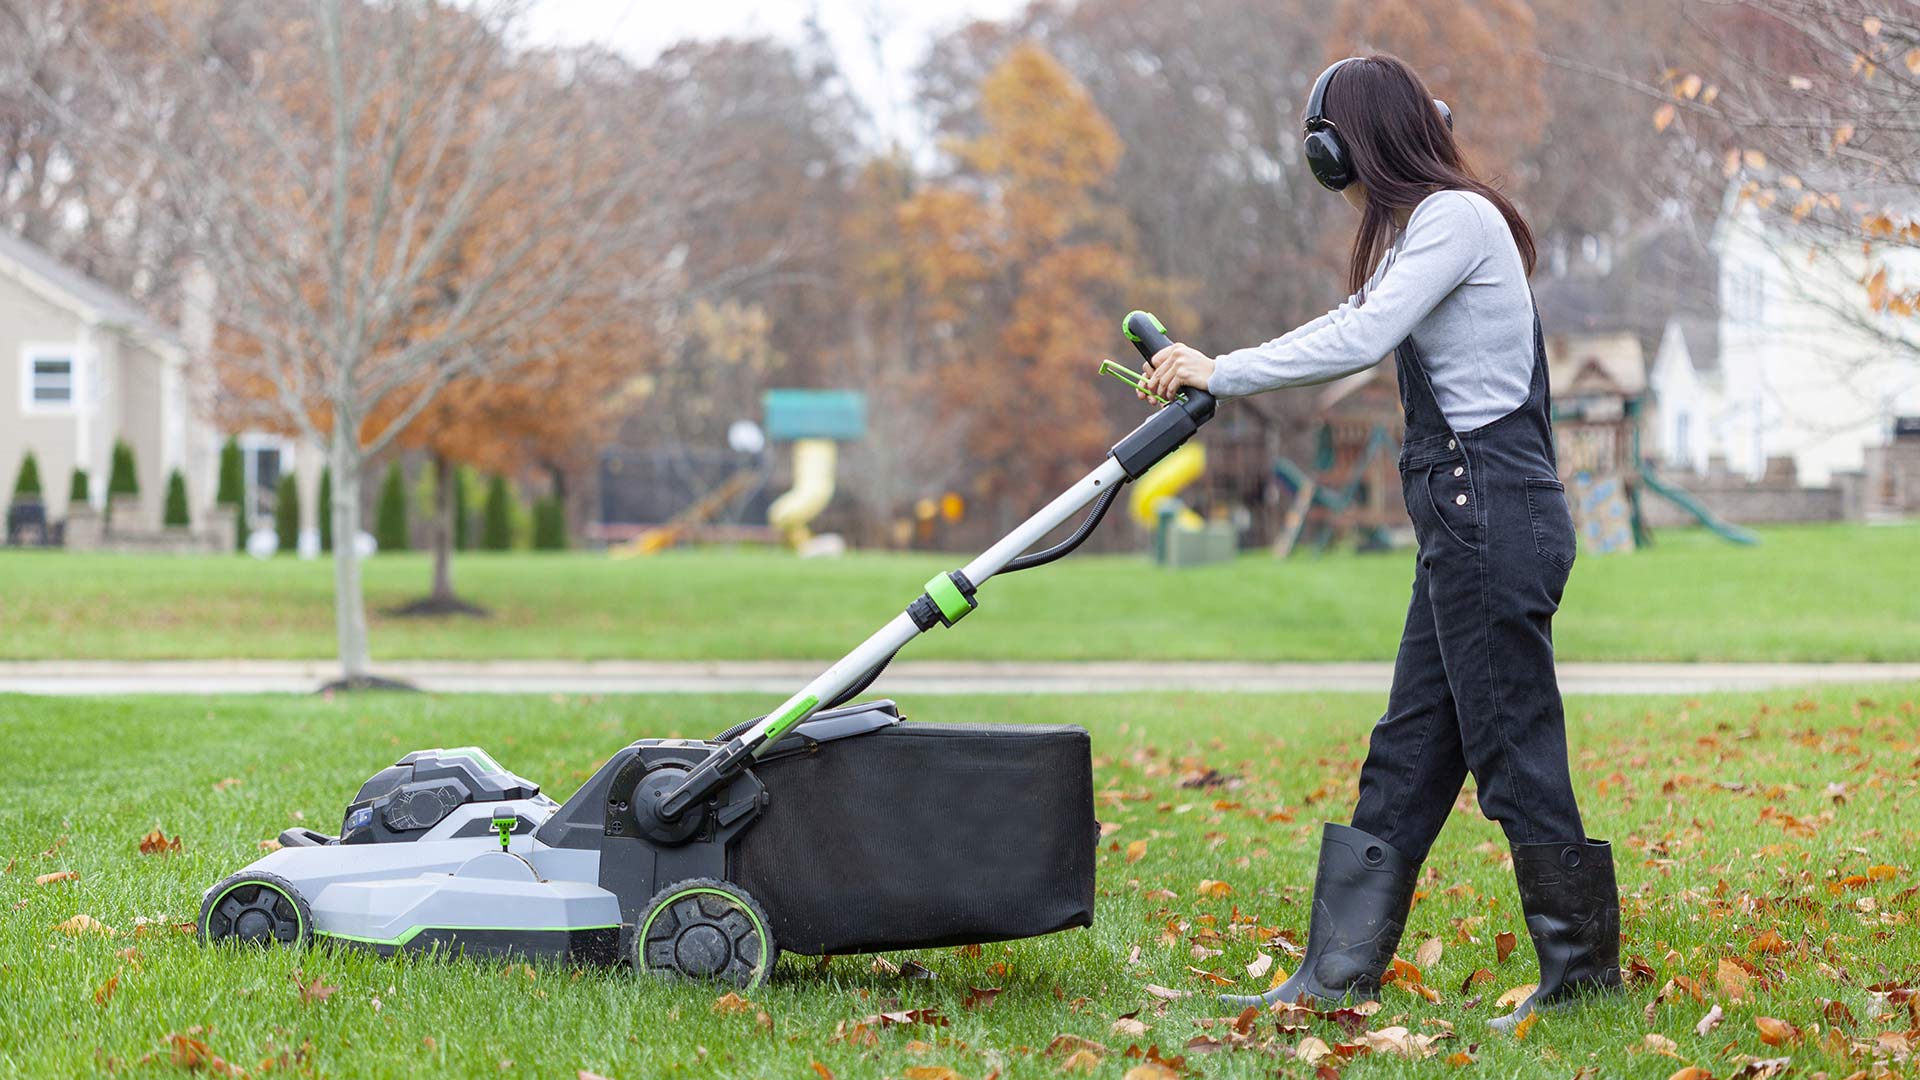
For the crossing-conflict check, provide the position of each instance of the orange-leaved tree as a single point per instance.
(1022, 263)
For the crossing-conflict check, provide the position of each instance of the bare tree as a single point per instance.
(391, 198)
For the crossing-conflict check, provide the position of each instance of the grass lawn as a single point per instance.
(1807, 593)
(1767, 850)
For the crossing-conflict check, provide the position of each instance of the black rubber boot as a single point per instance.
(1573, 916)
(1361, 894)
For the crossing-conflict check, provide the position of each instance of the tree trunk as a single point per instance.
(349, 598)
(444, 478)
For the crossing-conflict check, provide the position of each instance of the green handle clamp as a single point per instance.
(1131, 377)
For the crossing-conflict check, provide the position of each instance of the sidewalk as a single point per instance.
(903, 678)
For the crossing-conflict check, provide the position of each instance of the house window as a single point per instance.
(50, 379)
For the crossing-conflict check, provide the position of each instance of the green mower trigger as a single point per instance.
(1131, 377)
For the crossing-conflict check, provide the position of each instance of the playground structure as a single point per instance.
(816, 421)
(655, 540)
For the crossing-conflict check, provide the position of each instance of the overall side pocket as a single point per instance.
(1553, 535)
(1453, 501)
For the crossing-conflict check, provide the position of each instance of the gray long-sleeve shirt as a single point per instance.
(1454, 281)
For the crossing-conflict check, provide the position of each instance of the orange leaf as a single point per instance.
(158, 843)
(1663, 117)
(1136, 851)
(1215, 889)
(1081, 1061)
(931, 1072)
(1503, 945)
(1881, 873)
(1776, 1032)
(57, 875)
(1520, 1031)
(820, 1070)
(104, 993)
(1691, 1072)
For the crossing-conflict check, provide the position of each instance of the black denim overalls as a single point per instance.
(1473, 684)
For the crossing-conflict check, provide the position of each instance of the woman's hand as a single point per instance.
(1176, 366)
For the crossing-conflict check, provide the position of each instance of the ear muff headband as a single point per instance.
(1326, 154)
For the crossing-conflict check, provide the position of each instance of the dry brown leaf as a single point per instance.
(1213, 890)
(84, 924)
(1459, 1058)
(1129, 1026)
(1516, 995)
(57, 875)
(158, 843)
(1260, 964)
(1429, 952)
(1526, 1025)
(1136, 851)
(1656, 1043)
(730, 1003)
(1073, 1044)
(930, 1072)
(1503, 945)
(1709, 1022)
(820, 1070)
(1313, 1050)
(314, 990)
(1166, 993)
(1213, 977)
(1734, 982)
(1691, 1072)
(104, 992)
(979, 997)
(1775, 1032)
(1080, 1061)
(1151, 1070)
(1480, 975)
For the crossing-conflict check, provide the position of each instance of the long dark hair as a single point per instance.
(1403, 152)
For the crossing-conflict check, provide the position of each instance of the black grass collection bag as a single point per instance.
(906, 835)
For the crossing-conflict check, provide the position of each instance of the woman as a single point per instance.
(1439, 277)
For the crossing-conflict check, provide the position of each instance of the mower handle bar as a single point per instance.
(1148, 335)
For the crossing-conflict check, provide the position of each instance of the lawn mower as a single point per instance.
(820, 828)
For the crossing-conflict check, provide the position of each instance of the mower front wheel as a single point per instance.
(705, 929)
(258, 908)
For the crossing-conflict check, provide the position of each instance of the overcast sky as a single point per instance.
(882, 77)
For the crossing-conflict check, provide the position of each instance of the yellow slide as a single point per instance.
(814, 462)
(1166, 480)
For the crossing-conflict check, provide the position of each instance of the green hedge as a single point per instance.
(123, 478)
(286, 513)
(78, 490)
(326, 508)
(26, 484)
(496, 517)
(176, 508)
(390, 517)
(550, 524)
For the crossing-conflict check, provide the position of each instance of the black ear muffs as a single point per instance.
(1326, 154)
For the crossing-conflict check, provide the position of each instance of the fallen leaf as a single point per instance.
(914, 969)
(1166, 993)
(1074, 1044)
(268, 845)
(1459, 1058)
(1129, 1026)
(1080, 1061)
(820, 1070)
(1503, 945)
(1260, 964)
(158, 843)
(1776, 1032)
(730, 1003)
(1516, 995)
(930, 1072)
(1520, 1030)
(1151, 1070)
(979, 997)
(1212, 890)
(84, 924)
(1429, 952)
(1213, 977)
(57, 875)
(1136, 851)
(1709, 1022)
(883, 966)
(104, 992)
(1480, 975)
(1838, 1014)
(1691, 1072)
(1733, 980)
(1313, 1050)
(1770, 942)
(314, 990)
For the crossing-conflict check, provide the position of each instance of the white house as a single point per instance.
(85, 366)
(1806, 370)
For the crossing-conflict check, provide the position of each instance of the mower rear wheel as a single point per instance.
(256, 907)
(705, 929)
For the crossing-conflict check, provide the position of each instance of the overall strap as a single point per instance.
(1428, 435)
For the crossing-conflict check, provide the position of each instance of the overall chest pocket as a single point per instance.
(1452, 501)
(1553, 535)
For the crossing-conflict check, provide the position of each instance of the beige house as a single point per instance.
(82, 366)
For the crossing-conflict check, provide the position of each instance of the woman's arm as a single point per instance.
(1445, 241)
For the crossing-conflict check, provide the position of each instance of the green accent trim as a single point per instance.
(1127, 330)
(953, 604)
(477, 756)
(299, 923)
(416, 931)
(760, 928)
(791, 717)
(1131, 377)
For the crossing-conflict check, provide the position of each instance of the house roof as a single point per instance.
(38, 269)
(1574, 361)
